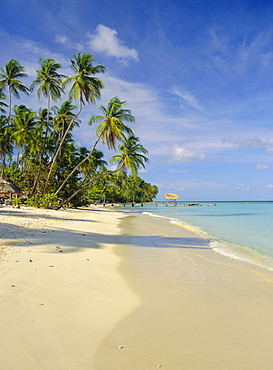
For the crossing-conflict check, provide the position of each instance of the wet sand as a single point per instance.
(200, 310)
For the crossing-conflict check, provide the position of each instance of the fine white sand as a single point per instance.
(60, 289)
(103, 290)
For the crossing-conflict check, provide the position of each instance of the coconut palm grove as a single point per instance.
(37, 150)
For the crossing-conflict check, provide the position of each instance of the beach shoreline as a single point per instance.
(102, 289)
(200, 309)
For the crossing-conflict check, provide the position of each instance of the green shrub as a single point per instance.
(48, 201)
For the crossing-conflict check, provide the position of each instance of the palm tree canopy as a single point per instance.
(24, 131)
(48, 79)
(112, 127)
(6, 146)
(2, 104)
(85, 86)
(64, 116)
(9, 77)
(132, 156)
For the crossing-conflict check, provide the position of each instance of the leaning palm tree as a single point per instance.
(89, 167)
(85, 88)
(10, 76)
(50, 86)
(110, 129)
(131, 157)
(64, 115)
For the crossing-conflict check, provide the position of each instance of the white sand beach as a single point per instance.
(61, 292)
(100, 289)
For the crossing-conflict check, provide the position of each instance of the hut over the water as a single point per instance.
(171, 196)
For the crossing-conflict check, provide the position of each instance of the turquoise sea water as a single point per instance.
(241, 230)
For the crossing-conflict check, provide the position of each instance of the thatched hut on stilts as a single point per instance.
(171, 198)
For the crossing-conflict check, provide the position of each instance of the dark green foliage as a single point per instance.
(122, 189)
(37, 149)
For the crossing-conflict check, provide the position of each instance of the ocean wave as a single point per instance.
(220, 246)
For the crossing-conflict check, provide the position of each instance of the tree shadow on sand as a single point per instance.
(71, 241)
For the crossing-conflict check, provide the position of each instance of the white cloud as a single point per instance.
(64, 40)
(105, 39)
(245, 141)
(180, 154)
(61, 39)
(269, 144)
(186, 96)
(244, 187)
(183, 185)
(261, 166)
(269, 186)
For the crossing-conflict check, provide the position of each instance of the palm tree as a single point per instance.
(10, 76)
(50, 86)
(111, 128)
(64, 115)
(24, 128)
(85, 88)
(6, 146)
(132, 156)
(2, 104)
(112, 125)
(94, 162)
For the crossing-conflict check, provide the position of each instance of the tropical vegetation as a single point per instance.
(38, 152)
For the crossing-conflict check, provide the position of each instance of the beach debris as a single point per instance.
(120, 347)
(83, 234)
(13, 285)
(30, 261)
(87, 259)
(50, 266)
(158, 366)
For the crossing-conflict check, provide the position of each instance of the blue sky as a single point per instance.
(197, 75)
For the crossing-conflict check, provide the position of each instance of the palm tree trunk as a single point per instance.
(2, 168)
(37, 180)
(60, 146)
(18, 158)
(78, 165)
(86, 184)
(9, 114)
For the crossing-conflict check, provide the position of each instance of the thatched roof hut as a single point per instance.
(171, 196)
(8, 188)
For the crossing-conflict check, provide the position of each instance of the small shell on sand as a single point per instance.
(120, 347)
